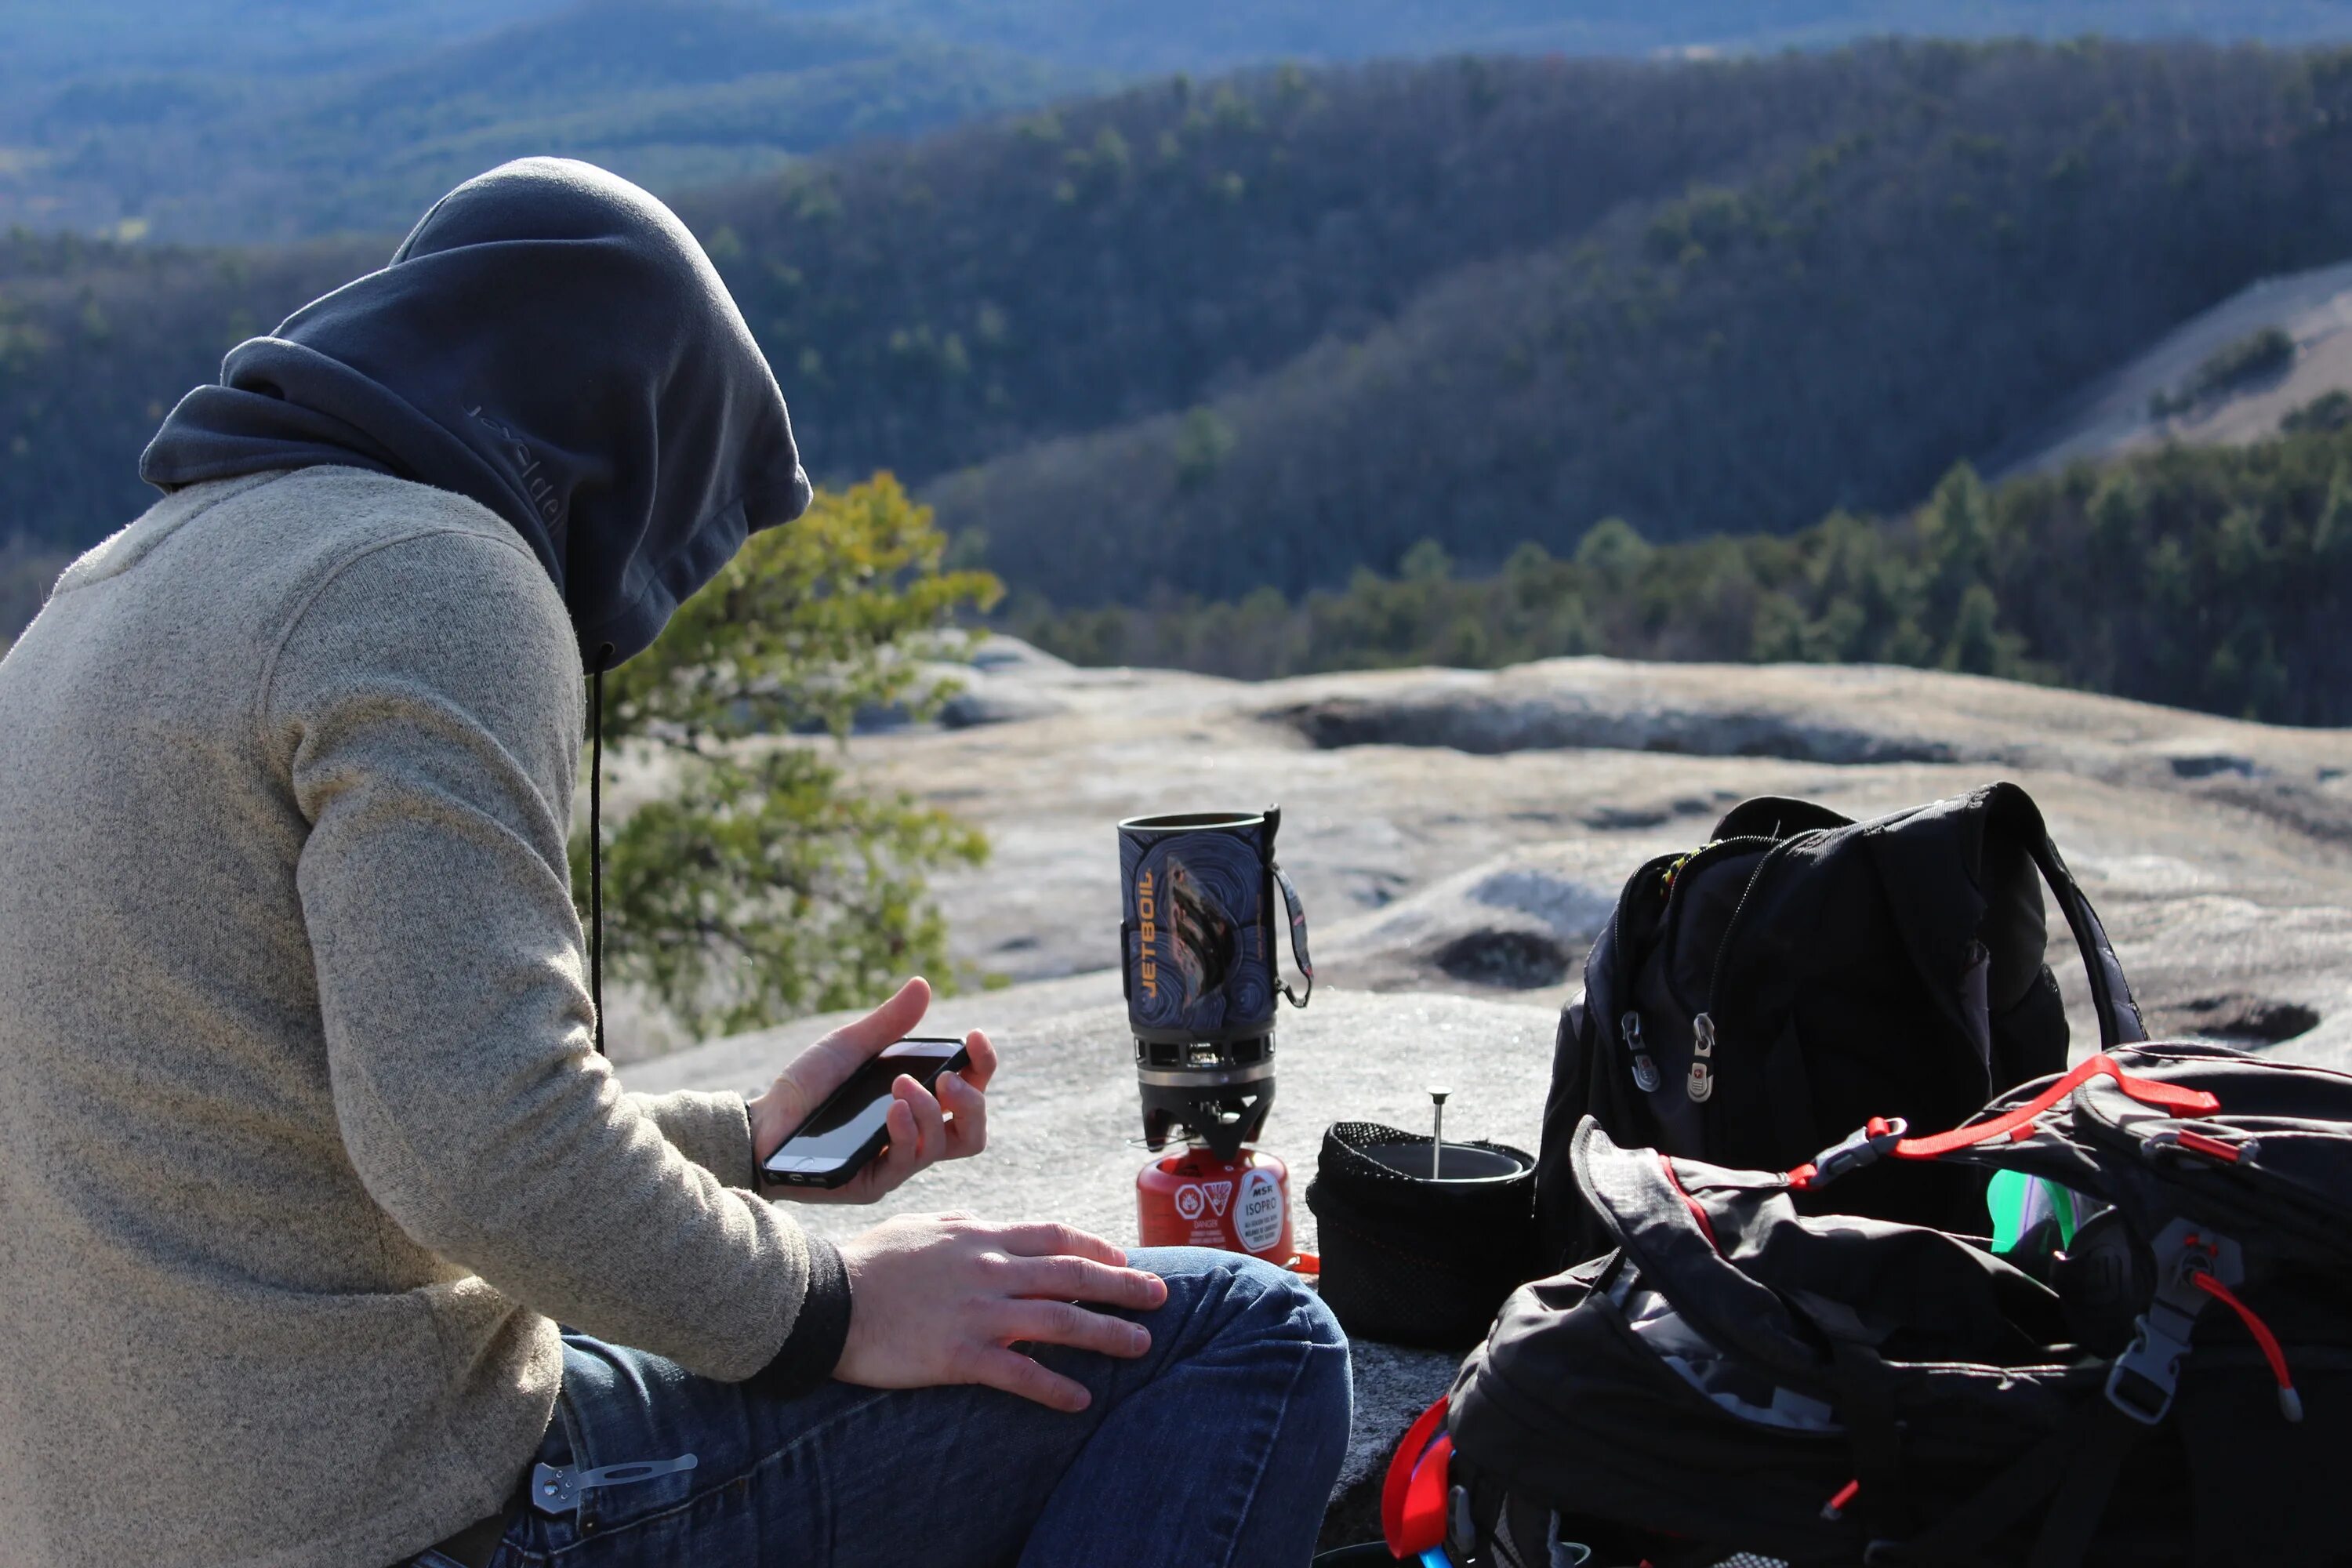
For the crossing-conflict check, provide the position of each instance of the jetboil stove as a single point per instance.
(1197, 952)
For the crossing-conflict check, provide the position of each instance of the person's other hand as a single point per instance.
(942, 1298)
(926, 1126)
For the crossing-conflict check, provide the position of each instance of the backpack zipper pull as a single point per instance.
(1645, 1071)
(1701, 1087)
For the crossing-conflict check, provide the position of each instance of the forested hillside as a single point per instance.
(1205, 336)
(1159, 35)
(98, 339)
(937, 304)
(1970, 235)
(934, 305)
(2217, 578)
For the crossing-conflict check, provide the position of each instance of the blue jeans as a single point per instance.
(1216, 1449)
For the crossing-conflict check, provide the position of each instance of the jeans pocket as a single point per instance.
(634, 1435)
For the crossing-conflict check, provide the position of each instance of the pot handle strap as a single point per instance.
(1298, 937)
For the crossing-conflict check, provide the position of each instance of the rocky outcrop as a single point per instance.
(1464, 831)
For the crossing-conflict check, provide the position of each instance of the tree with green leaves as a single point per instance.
(2216, 577)
(756, 884)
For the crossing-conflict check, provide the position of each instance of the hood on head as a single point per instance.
(549, 341)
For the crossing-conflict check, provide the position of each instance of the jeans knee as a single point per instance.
(1265, 1297)
(1283, 1294)
(1249, 1301)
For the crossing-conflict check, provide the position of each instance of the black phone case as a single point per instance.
(841, 1176)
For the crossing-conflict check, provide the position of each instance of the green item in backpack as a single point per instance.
(2020, 1202)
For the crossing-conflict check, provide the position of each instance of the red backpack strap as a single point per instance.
(1882, 1138)
(1412, 1497)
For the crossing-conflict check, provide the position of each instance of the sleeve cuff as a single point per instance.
(812, 1348)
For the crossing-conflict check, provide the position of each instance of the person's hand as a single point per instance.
(940, 1299)
(924, 1126)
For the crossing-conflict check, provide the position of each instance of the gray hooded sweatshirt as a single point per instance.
(304, 1148)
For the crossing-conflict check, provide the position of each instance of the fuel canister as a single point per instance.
(1191, 1198)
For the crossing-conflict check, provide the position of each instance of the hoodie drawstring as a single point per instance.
(596, 843)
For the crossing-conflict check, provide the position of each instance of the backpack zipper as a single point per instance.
(1629, 1022)
(1646, 1076)
(1645, 1069)
(1701, 1087)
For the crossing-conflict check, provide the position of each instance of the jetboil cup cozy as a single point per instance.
(1412, 1258)
(1197, 937)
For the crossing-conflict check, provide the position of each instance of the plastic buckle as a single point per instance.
(1862, 1147)
(2145, 1378)
(1461, 1524)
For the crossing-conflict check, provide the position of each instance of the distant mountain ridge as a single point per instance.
(44, 43)
(239, 120)
(53, 40)
(673, 93)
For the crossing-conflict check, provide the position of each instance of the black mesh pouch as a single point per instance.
(1410, 1260)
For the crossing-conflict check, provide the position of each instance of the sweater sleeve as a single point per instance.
(425, 701)
(711, 1128)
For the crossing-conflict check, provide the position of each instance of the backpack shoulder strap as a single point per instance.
(1933, 861)
(2008, 807)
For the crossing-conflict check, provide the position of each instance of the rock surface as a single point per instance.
(2111, 417)
(1065, 1134)
(1458, 836)
(1466, 831)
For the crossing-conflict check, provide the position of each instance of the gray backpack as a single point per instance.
(2169, 1382)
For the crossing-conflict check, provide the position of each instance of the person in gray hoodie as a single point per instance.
(306, 1146)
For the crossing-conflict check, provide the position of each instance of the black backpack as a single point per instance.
(1737, 1380)
(1752, 1000)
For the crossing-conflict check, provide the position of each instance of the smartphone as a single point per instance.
(849, 1129)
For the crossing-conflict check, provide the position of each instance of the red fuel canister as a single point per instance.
(1191, 1198)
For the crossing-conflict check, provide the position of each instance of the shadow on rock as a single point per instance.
(2236, 1019)
(1487, 726)
(1511, 959)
